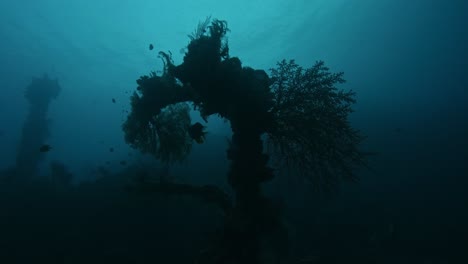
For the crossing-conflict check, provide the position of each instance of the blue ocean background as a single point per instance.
(406, 60)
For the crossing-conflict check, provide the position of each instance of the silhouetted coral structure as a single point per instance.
(35, 131)
(300, 110)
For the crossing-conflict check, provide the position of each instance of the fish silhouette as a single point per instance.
(45, 148)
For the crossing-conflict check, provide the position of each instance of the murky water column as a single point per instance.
(35, 131)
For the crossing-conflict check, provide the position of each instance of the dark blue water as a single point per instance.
(406, 61)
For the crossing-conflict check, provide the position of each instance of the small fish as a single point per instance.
(123, 163)
(197, 132)
(151, 46)
(45, 148)
(113, 100)
(111, 149)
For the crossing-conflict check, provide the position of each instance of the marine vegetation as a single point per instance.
(300, 111)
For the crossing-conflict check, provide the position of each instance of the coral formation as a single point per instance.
(35, 131)
(311, 131)
(301, 111)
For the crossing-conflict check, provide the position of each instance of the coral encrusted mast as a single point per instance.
(301, 112)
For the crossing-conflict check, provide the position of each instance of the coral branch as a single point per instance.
(311, 130)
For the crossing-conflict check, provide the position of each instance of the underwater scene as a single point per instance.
(234, 132)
